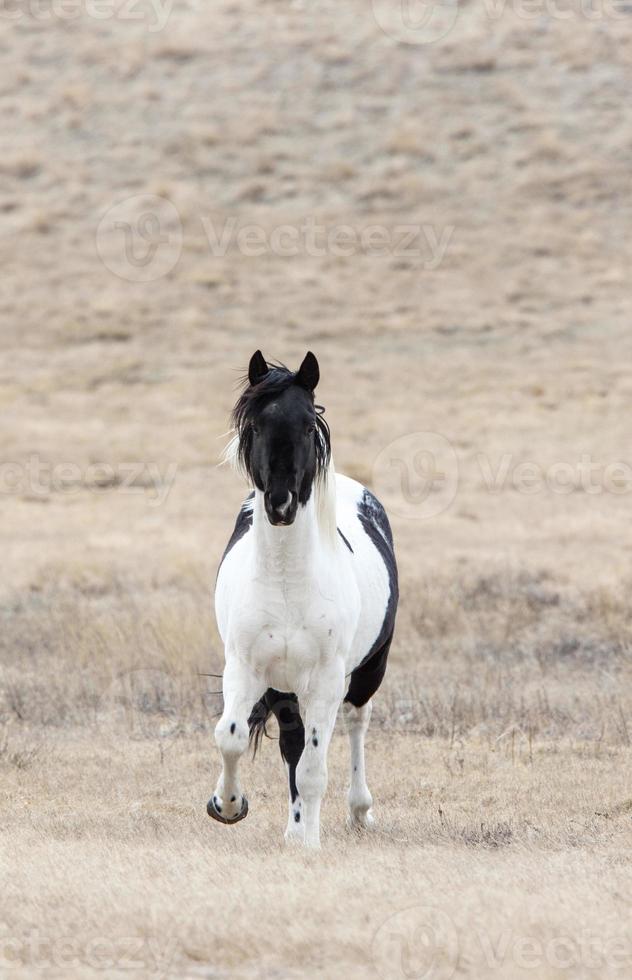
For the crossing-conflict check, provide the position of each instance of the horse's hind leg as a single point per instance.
(241, 689)
(360, 799)
(365, 681)
(291, 743)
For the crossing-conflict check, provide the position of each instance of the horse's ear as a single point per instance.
(257, 369)
(308, 374)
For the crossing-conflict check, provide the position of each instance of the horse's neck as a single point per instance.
(285, 553)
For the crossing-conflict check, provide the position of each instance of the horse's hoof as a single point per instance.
(360, 821)
(216, 814)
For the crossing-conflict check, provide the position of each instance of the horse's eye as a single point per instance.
(309, 428)
(255, 430)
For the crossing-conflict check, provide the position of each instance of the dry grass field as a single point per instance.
(498, 340)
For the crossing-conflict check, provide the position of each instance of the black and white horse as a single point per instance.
(305, 600)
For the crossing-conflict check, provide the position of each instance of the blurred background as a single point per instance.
(445, 223)
(436, 201)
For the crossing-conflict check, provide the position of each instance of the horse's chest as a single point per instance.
(288, 632)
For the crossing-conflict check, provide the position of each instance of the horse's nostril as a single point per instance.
(284, 507)
(281, 502)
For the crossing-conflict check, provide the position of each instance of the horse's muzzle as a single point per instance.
(280, 507)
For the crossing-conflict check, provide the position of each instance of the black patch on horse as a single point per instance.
(344, 539)
(285, 708)
(242, 525)
(368, 675)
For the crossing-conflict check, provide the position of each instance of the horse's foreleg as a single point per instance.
(241, 689)
(319, 707)
(360, 799)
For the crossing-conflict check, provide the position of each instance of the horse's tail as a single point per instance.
(257, 723)
(284, 706)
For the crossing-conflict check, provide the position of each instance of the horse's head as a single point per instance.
(283, 441)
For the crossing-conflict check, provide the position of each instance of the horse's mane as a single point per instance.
(244, 415)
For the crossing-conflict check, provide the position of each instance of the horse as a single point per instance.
(305, 600)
